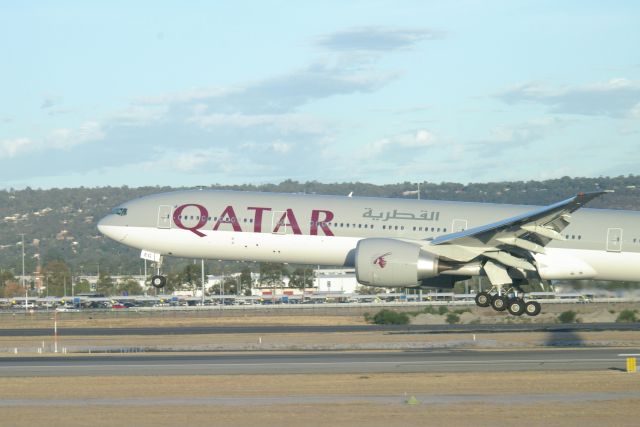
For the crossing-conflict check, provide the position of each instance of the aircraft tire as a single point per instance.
(516, 307)
(499, 303)
(532, 308)
(158, 281)
(483, 299)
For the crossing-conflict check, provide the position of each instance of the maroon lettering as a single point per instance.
(228, 216)
(293, 223)
(316, 221)
(257, 220)
(204, 214)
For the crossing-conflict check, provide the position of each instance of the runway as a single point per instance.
(318, 362)
(279, 329)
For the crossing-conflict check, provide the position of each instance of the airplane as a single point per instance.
(390, 242)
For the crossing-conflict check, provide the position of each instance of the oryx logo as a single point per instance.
(381, 261)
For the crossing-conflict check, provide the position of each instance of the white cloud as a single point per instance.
(283, 123)
(57, 139)
(418, 139)
(12, 147)
(376, 39)
(140, 114)
(281, 147)
(615, 98)
(509, 137)
(65, 139)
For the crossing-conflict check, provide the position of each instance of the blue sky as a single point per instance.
(196, 93)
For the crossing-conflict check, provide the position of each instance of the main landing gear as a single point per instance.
(515, 305)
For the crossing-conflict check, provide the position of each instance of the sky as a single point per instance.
(235, 92)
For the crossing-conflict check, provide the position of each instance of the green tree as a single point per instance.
(13, 289)
(57, 278)
(246, 282)
(105, 284)
(230, 285)
(271, 273)
(301, 277)
(130, 287)
(174, 282)
(82, 286)
(6, 276)
(192, 274)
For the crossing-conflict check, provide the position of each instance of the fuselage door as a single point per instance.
(614, 240)
(459, 225)
(164, 216)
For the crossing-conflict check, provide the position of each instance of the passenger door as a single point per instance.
(614, 239)
(164, 216)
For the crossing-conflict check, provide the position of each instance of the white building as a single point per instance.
(336, 281)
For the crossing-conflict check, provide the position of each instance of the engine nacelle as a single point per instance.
(393, 263)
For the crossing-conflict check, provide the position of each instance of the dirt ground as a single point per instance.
(586, 313)
(524, 399)
(567, 399)
(316, 341)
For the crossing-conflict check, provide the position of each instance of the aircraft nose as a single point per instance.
(108, 227)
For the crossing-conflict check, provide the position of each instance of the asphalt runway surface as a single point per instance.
(279, 329)
(318, 362)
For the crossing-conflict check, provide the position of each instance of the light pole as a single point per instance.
(202, 278)
(26, 292)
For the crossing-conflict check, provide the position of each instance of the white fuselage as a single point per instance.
(325, 230)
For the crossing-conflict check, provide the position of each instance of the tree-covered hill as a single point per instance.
(61, 223)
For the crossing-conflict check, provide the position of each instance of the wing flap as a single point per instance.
(554, 218)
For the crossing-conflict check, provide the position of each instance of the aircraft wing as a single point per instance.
(518, 235)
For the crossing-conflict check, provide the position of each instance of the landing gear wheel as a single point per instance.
(499, 303)
(516, 307)
(483, 299)
(158, 281)
(532, 308)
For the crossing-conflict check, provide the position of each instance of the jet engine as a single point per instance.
(394, 263)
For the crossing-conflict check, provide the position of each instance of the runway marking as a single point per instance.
(211, 364)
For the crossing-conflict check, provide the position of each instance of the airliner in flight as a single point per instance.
(390, 242)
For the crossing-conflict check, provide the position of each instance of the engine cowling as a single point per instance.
(393, 263)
